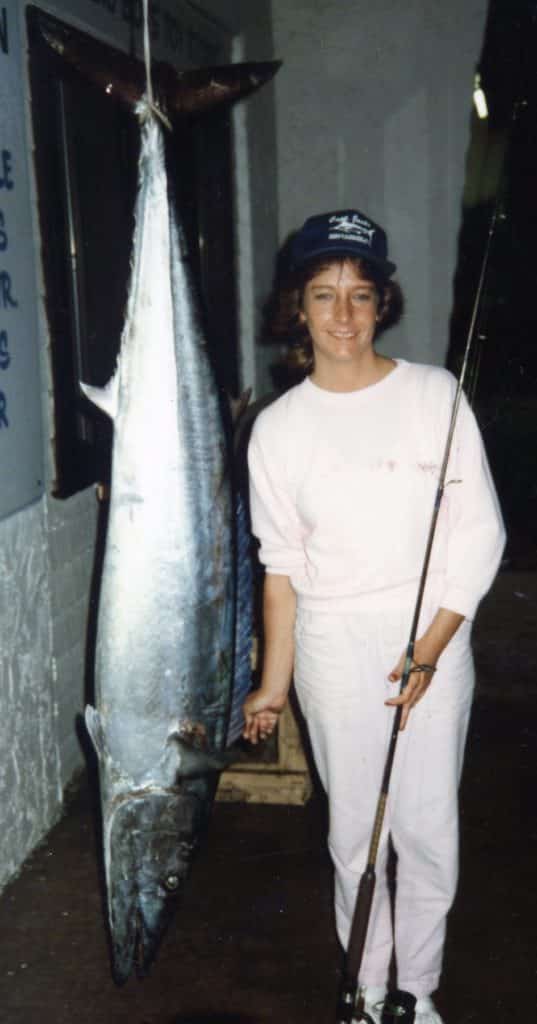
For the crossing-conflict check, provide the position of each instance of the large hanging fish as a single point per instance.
(172, 660)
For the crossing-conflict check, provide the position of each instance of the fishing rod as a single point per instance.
(351, 1001)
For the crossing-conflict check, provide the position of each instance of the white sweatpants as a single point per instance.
(342, 662)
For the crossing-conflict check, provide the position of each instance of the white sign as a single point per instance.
(21, 452)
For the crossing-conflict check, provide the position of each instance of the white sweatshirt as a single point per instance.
(342, 488)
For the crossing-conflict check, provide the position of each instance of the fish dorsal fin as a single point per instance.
(105, 398)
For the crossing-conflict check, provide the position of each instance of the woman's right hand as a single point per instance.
(261, 713)
(262, 707)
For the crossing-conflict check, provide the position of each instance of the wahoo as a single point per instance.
(172, 657)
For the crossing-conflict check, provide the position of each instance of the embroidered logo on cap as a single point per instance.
(354, 228)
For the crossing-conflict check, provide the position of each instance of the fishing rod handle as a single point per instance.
(358, 932)
(377, 830)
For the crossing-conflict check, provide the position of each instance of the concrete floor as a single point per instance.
(254, 941)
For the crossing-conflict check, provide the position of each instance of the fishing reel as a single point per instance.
(399, 1008)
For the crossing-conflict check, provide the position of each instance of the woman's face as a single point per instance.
(340, 309)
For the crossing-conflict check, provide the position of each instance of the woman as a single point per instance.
(344, 470)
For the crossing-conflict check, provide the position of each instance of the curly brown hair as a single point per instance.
(285, 324)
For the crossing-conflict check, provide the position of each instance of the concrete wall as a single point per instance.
(373, 108)
(29, 753)
(46, 549)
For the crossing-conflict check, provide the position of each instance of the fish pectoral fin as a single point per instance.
(94, 725)
(184, 760)
(105, 398)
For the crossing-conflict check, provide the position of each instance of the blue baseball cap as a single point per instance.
(348, 232)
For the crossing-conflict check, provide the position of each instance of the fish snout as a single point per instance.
(154, 837)
(141, 910)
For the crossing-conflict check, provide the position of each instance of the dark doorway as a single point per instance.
(86, 148)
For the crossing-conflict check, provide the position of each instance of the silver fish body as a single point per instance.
(165, 638)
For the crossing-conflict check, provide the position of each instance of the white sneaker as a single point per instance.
(374, 1002)
(426, 1013)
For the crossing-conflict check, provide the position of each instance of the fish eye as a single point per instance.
(171, 883)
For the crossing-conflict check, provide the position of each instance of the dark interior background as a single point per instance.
(502, 161)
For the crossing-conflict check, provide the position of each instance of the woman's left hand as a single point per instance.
(418, 682)
(427, 651)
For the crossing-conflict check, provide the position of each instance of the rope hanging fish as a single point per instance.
(146, 106)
